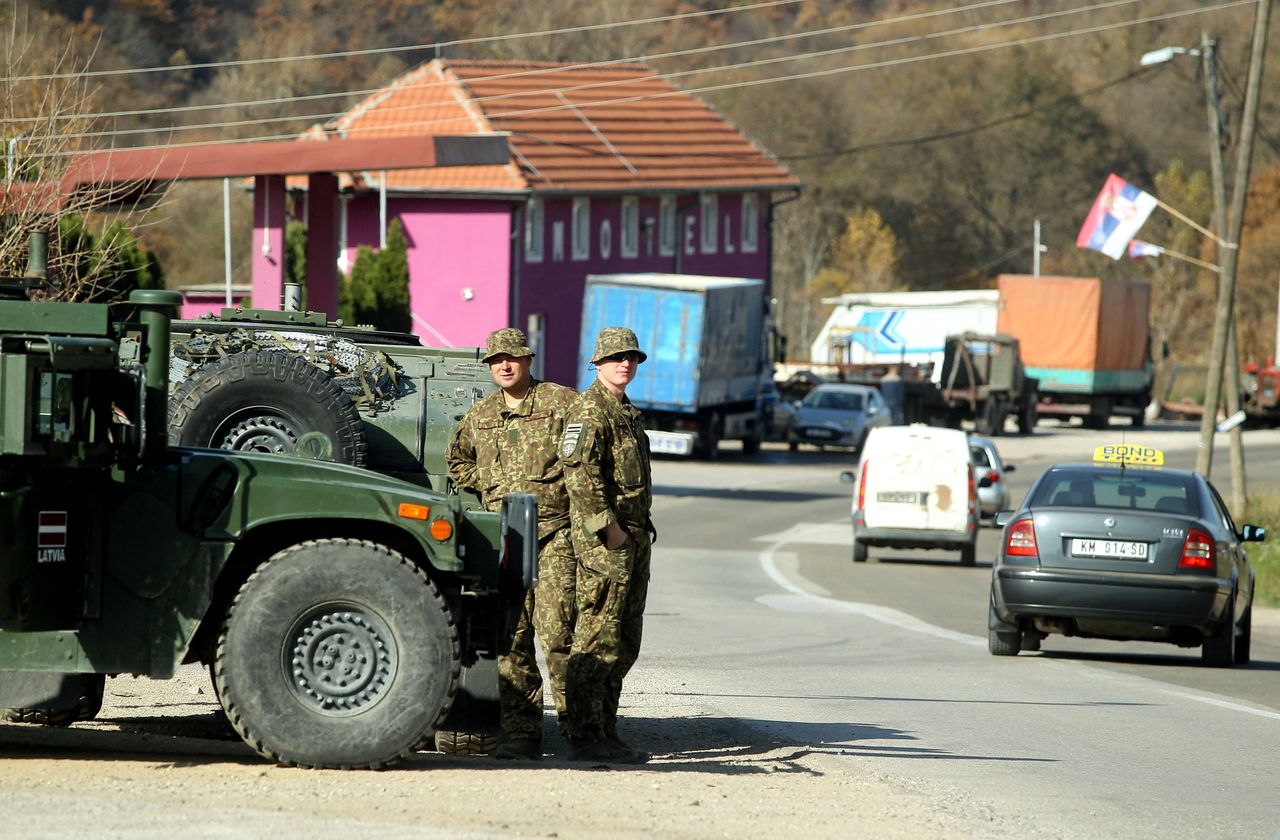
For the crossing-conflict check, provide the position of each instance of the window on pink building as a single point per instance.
(710, 221)
(630, 226)
(750, 235)
(667, 225)
(534, 223)
(581, 232)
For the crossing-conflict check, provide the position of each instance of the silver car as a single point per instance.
(993, 494)
(836, 414)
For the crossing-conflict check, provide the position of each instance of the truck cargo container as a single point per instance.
(1086, 340)
(710, 345)
(905, 328)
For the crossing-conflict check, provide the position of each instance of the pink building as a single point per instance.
(612, 169)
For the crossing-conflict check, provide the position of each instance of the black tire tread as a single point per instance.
(205, 382)
(281, 757)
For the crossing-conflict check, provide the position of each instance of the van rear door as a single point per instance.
(917, 479)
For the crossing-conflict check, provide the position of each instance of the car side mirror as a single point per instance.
(1002, 518)
(1009, 468)
(1253, 533)
(847, 477)
(985, 481)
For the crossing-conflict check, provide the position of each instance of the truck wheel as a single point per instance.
(711, 439)
(751, 443)
(266, 402)
(994, 411)
(968, 554)
(859, 551)
(1027, 415)
(88, 704)
(337, 654)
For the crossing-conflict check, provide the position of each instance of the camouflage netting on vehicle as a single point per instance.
(371, 378)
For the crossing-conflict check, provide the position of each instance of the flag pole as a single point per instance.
(1200, 228)
(1185, 258)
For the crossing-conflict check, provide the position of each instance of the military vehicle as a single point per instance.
(334, 606)
(291, 382)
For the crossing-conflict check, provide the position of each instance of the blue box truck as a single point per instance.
(710, 345)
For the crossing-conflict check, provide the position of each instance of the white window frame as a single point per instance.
(534, 230)
(667, 228)
(709, 222)
(580, 234)
(630, 227)
(750, 234)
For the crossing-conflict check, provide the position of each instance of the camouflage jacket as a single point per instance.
(497, 450)
(605, 453)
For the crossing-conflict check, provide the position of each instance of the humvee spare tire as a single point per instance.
(267, 402)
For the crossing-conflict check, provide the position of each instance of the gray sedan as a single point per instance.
(836, 414)
(1115, 551)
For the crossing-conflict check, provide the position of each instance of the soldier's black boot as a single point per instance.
(520, 748)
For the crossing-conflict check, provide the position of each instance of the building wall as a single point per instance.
(197, 304)
(459, 262)
(551, 289)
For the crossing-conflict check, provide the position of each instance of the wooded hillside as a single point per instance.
(930, 135)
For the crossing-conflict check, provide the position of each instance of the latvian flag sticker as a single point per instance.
(52, 532)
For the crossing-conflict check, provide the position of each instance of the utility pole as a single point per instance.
(1231, 248)
(1209, 63)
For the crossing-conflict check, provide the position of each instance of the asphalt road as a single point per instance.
(887, 662)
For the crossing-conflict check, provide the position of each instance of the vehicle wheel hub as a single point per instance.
(343, 660)
(261, 434)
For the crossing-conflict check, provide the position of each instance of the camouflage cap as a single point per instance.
(615, 340)
(508, 340)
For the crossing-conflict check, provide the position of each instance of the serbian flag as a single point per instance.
(1139, 249)
(1120, 210)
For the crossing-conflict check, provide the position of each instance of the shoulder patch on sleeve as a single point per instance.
(569, 442)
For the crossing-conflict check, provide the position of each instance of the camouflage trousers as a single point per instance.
(548, 612)
(611, 590)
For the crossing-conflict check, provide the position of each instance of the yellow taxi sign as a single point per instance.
(1128, 455)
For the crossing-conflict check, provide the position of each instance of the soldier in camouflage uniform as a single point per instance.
(507, 443)
(605, 453)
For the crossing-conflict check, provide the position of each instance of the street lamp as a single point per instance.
(1230, 367)
(1164, 54)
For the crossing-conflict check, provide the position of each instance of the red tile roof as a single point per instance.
(574, 128)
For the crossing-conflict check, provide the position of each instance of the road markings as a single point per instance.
(799, 599)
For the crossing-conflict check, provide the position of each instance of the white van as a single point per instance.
(914, 488)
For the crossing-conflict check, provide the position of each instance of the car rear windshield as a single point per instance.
(1124, 490)
(843, 400)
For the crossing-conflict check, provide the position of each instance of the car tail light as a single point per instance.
(1022, 540)
(994, 476)
(862, 485)
(1197, 551)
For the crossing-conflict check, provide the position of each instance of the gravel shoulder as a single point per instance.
(161, 759)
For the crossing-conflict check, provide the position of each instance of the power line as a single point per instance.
(790, 77)
(899, 41)
(541, 71)
(437, 46)
(962, 132)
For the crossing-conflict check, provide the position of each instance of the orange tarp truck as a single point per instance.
(1085, 339)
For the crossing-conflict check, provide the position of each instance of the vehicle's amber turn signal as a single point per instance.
(412, 511)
